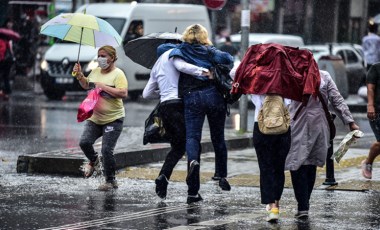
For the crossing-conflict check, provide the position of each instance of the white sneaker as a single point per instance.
(366, 170)
(273, 215)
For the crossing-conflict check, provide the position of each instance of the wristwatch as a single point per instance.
(91, 85)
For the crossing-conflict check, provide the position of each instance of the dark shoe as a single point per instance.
(193, 173)
(161, 186)
(193, 199)
(216, 177)
(224, 184)
(302, 215)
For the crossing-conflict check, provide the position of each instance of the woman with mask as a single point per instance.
(108, 116)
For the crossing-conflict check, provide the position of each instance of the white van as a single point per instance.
(265, 38)
(59, 59)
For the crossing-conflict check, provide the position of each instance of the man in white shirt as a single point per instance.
(163, 84)
(371, 46)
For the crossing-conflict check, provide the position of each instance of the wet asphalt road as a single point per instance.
(48, 202)
(30, 123)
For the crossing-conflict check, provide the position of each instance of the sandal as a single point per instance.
(89, 168)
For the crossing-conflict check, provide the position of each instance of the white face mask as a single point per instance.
(102, 61)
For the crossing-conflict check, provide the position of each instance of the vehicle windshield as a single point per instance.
(117, 23)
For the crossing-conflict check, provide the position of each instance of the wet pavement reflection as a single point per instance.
(74, 203)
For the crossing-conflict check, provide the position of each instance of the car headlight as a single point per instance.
(44, 65)
(91, 65)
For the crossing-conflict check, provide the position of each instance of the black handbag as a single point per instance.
(154, 130)
(223, 81)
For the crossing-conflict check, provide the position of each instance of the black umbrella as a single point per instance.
(143, 50)
(376, 19)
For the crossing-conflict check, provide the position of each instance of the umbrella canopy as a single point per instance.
(83, 29)
(376, 19)
(9, 34)
(143, 50)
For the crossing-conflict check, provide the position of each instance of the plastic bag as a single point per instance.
(86, 108)
(349, 139)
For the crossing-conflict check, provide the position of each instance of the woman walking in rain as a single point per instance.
(201, 99)
(310, 139)
(108, 116)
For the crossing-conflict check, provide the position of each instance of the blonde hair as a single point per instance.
(196, 34)
(110, 51)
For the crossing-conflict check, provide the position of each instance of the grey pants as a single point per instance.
(110, 133)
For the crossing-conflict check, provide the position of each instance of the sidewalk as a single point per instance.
(131, 152)
(243, 171)
(134, 160)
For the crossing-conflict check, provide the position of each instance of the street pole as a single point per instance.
(245, 24)
(280, 11)
(213, 25)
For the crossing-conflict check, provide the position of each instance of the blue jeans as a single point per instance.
(110, 133)
(199, 104)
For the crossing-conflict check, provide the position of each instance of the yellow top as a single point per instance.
(108, 108)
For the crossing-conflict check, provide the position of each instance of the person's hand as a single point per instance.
(77, 69)
(371, 112)
(353, 126)
(208, 74)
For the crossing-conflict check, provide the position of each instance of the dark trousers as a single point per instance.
(271, 151)
(110, 134)
(5, 69)
(303, 181)
(172, 115)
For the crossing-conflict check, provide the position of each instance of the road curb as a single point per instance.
(69, 161)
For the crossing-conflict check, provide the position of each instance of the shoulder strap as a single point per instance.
(324, 105)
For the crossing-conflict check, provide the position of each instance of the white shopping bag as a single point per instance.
(349, 139)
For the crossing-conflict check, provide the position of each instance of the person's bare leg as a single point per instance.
(374, 151)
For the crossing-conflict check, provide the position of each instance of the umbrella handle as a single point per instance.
(80, 44)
